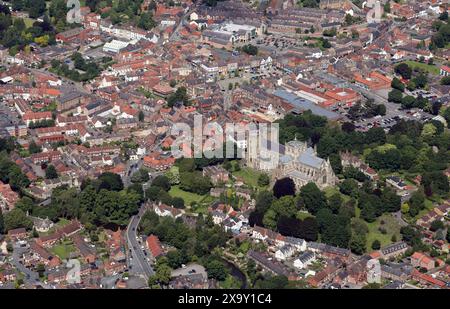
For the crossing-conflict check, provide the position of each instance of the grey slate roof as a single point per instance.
(309, 158)
(304, 105)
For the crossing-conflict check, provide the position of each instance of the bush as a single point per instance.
(376, 245)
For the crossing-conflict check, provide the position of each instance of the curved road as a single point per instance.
(139, 260)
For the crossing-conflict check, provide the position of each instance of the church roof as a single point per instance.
(310, 158)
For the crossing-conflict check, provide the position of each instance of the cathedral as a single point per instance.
(294, 160)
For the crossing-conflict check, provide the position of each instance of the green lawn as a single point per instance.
(432, 69)
(249, 176)
(428, 206)
(188, 197)
(63, 250)
(390, 225)
(28, 22)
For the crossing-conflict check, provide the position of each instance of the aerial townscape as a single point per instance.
(97, 192)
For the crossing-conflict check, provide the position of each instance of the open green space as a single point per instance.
(432, 69)
(63, 250)
(390, 226)
(249, 176)
(188, 197)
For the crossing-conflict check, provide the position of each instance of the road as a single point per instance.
(138, 261)
(31, 277)
(131, 168)
(398, 216)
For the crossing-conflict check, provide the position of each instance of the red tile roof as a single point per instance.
(154, 245)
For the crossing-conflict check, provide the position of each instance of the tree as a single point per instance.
(35, 8)
(263, 180)
(445, 81)
(405, 208)
(154, 193)
(50, 172)
(284, 206)
(395, 96)
(327, 146)
(16, 218)
(311, 198)
(421, 80)
(40, 268)
(336, 163)
(284, 186)
(216, 269)
(391, 201)
(397, 84)
(326, 43)
(256, 218)
(435, 183)
(376, 245)
(330, 32)
(140, 176)
(195, 182)
(443, 16)
(180, 96)
(404, 70)
(34, 148)
(436, 225)
(178, 202)
(141, 116)
(416, 203)
(146, 21)
(348, 187)
(335, 202)
(176, 258)
(380, 109)
(375, 135)
(110, 181)
(270, 219)
(411, 86)
(163, 274)
(25, 204)
(410, 235)
(264, 200)
(358, 244)
(250, 49)
(334, 229)
(173, 174)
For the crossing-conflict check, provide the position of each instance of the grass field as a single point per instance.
(428, 206)
(188, 197)
(432, 69)
(249, 176)
(63, 251)
(390, 225)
